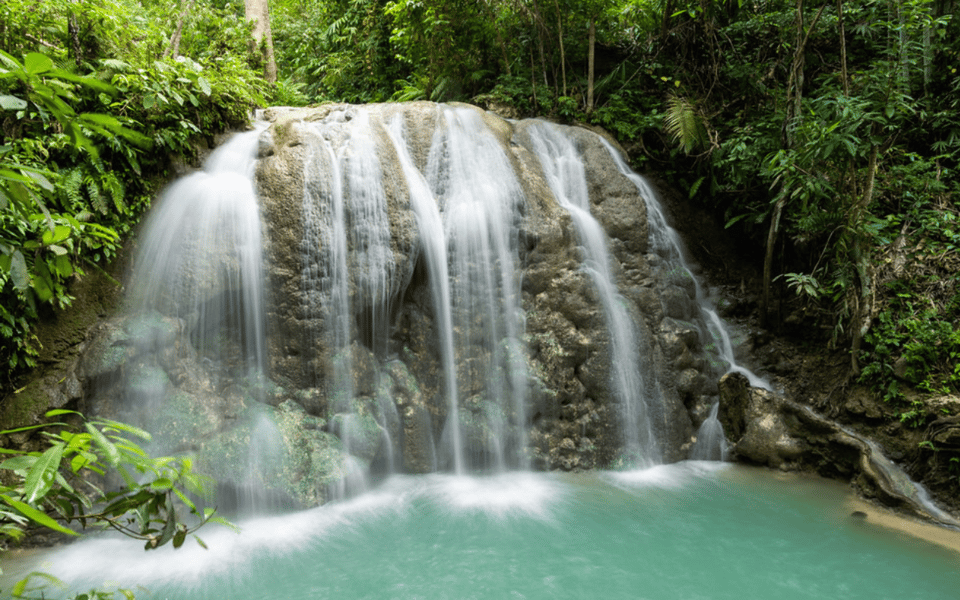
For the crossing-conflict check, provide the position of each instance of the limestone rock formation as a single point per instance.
(769, 429)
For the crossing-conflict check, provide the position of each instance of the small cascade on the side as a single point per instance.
(666, 242)
(564, 170)
(198, 299)
(474, 182)
(711, 443)
(200, 260)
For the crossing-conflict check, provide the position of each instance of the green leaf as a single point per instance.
(59, 234)
(19, 463)
(42, 282)
(35, 63)
(169, 528)
(126, 428)
(41, 476)
(18, 271)
(20, 588)
(37, 516)
(696, 186)
(59, 411)
(179, 537)
(12, 103)
(62, 263)
(160, 485)
(204, 85)
(108, 447)
(40, 178)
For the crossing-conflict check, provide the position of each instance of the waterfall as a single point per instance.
(347, 280)
(711, 443)
(444, 298)
(563, 167)
(666, 242)
(435, 253)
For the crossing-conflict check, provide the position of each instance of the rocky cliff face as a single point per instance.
(572, 412)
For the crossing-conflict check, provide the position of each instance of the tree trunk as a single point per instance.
(258, 11)
(73, 28)
(174, 48)
(843, 50)
(591, 53)
(563, 55)
(862, 316)
(794, 98)
(503, 47)
(928, 54)
(665, 25)
(903, 51)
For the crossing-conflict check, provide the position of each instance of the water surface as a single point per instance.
(689, 531)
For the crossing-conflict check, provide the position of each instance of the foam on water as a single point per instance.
(501, 496)
(672, 476)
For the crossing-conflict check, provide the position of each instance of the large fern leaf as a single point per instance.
(683, 122)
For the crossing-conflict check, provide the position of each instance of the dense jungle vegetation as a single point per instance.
(825, 133)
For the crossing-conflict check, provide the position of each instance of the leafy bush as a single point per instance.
(54, 489)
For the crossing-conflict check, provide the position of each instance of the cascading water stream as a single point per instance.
(435, 253)
(711, 442)
(666, 242)
(346, 247)
(565, 173)
(200, 258)
(479, 196)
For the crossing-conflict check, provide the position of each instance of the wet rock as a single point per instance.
(677, 303)
(416, 441)
(359, 430)
(769, 429)
(678, 336)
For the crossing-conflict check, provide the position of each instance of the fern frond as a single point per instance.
(683, 122)
(70, 184)
(97, 201)
(112, 185)
(443, 89)
(116, 65)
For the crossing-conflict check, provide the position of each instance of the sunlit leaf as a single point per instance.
(41, 476)
(42, 282)
(35, 63)
(37, 516)
(12, 103)
(18, 271)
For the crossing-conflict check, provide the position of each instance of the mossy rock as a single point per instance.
(280, 450)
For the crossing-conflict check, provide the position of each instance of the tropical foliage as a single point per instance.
(96, 98)
(95, 475)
